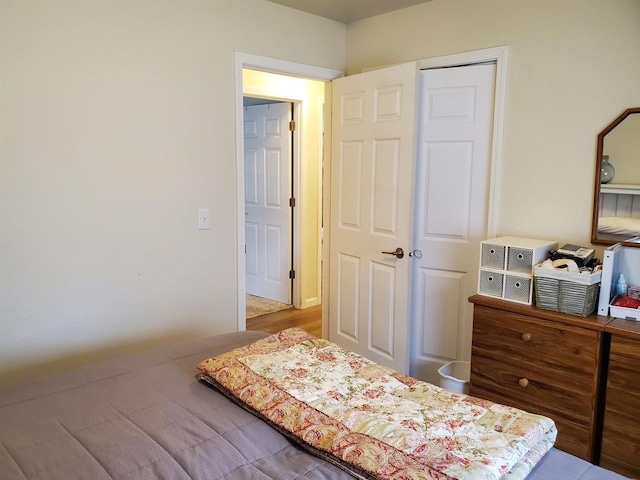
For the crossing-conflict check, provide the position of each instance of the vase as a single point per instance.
(606, 171)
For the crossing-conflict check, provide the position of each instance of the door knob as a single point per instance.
(399, 253)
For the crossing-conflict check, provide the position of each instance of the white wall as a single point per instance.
(117, 124)
(573, 68)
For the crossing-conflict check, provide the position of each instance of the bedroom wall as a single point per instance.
(572, 69)
(117, 125)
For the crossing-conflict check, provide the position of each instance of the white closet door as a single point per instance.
(451, 208)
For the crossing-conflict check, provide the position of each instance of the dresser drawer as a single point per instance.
(625, 347)
(624, 367)
(549, 390)
(621, 429)
(574, 436)
(543, 362)
(518, 339)
(623, 385)
(621, 444)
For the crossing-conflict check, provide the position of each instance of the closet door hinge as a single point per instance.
(292, 202)
(292, 274)
(292, 126)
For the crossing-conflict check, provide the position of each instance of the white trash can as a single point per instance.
(455, 376)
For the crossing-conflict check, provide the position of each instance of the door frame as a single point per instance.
(272, 65)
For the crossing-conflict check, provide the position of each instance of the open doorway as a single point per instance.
(299, 266)
(268, 169)
(268, 153)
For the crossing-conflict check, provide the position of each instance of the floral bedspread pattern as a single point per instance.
(386, 424)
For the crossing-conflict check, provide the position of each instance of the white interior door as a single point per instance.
(451, 208)
(267, 167)
(371, 191)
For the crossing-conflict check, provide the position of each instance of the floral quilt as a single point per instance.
(372, 421)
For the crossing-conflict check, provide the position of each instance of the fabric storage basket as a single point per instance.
(566, 292)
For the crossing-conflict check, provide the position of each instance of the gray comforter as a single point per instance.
(146, 416)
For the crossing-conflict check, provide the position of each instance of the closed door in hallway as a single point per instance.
(267, 167)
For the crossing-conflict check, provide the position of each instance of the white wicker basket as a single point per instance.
(566, 292)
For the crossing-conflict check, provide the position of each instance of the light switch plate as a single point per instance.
(203, 219)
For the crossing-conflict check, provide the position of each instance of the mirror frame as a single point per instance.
(596, 189)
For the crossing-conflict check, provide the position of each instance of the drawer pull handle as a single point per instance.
(526, 337)
(523, 382)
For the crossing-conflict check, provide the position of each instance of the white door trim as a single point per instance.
(266, 64)
(500, 56)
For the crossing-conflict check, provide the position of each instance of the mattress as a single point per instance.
(147, 416)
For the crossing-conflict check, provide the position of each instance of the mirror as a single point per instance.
(616, 198)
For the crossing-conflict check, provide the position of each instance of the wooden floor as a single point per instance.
(309, 319)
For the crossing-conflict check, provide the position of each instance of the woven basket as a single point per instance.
(572, 293)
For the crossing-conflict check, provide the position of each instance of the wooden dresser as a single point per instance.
(621, 430)
(543, 362)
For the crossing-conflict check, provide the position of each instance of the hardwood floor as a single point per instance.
(309, 319)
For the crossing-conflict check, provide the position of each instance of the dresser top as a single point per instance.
(624, 328)
(592, 322)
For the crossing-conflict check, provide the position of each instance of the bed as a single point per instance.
(623, 226)
(150, 415)
(619, 212)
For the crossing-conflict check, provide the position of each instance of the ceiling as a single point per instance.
(347, 11)
(344, 11)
